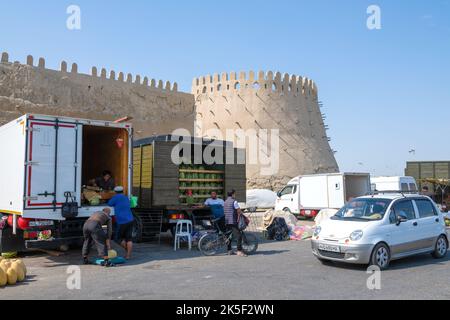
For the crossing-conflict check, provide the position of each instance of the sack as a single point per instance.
(69, 208)
(243, 222)
(278, 230)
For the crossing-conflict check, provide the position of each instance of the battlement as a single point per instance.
(103, 74)
(268, 82)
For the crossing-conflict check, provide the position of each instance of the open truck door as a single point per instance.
(51, 165)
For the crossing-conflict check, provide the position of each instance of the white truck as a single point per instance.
(307, 195)
(405, 184)
(47, 158)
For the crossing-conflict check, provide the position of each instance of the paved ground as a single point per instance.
(280, 270)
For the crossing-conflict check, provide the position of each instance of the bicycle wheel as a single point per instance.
(249, 243)
(210, 244)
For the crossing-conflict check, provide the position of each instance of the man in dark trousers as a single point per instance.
(93, 233)
(232, 213)
(124, 219)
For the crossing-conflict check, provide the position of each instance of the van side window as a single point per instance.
(405, 187)
(405, 207)
(412, 187)
(426, 208)
(287, 190)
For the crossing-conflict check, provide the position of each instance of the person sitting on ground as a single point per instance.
(232, 213)
(216, 204)
(106, 181)
(93, 233)
(124, 220)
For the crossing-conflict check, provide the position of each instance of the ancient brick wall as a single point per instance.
(156, 107)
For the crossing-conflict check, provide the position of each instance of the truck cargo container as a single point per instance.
(164, 177)
(44, 160)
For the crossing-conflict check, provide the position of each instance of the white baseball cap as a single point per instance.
(118, 189)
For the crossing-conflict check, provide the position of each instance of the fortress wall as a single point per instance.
(268, 101)
(155, 106)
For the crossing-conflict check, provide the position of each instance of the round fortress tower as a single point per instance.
(267, 101)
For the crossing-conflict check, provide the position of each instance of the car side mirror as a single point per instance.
(401, 218)
(279, 194)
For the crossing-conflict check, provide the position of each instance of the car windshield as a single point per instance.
(366, 209)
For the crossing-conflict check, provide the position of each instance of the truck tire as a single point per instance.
(137, 230)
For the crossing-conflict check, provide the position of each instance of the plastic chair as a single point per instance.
(184, 228)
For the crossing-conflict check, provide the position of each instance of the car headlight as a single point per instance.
(356, 235)
(317, 231)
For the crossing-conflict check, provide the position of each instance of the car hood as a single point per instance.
(340, 229)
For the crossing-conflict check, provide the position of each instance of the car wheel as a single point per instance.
(287, 210)
(441, 248)
(381, 256)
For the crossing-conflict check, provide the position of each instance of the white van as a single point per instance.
(307, 195)
(405, 184)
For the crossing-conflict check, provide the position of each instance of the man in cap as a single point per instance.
(124, 219)
(93, 233)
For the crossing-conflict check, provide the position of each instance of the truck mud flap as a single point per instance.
(10, 242)
(53, 244)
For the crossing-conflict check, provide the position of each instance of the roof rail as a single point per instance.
(373, 193)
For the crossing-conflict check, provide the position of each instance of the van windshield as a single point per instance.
(366, 209)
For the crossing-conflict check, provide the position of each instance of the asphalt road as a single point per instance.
(280, 270)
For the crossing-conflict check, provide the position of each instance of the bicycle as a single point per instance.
(212, 243)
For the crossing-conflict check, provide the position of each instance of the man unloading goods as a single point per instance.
(94, 234)
(124, 219)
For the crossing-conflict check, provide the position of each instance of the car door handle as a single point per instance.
(415, 224)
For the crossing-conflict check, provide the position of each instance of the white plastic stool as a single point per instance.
(183, 229)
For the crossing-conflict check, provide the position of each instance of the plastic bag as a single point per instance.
(134, 202)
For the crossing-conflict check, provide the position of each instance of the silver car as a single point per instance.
(377, 229)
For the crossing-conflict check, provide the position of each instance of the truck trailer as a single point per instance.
(173, 176)
(46, 163)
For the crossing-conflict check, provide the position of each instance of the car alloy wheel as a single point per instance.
(382, 257)
(441, 246)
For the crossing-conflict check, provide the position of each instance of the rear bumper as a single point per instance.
(355, 253)
(53, 243)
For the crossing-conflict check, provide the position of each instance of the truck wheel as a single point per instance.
(137, 230)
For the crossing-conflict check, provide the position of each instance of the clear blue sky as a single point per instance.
(385, 91)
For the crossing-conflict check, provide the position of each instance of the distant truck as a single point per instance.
(45, 159)
(405, 184)
(168, 191)
(307, 195)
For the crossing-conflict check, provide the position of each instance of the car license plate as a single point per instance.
(329, 248)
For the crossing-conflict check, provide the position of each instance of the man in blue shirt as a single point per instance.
(216, 206)
(124, 219)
